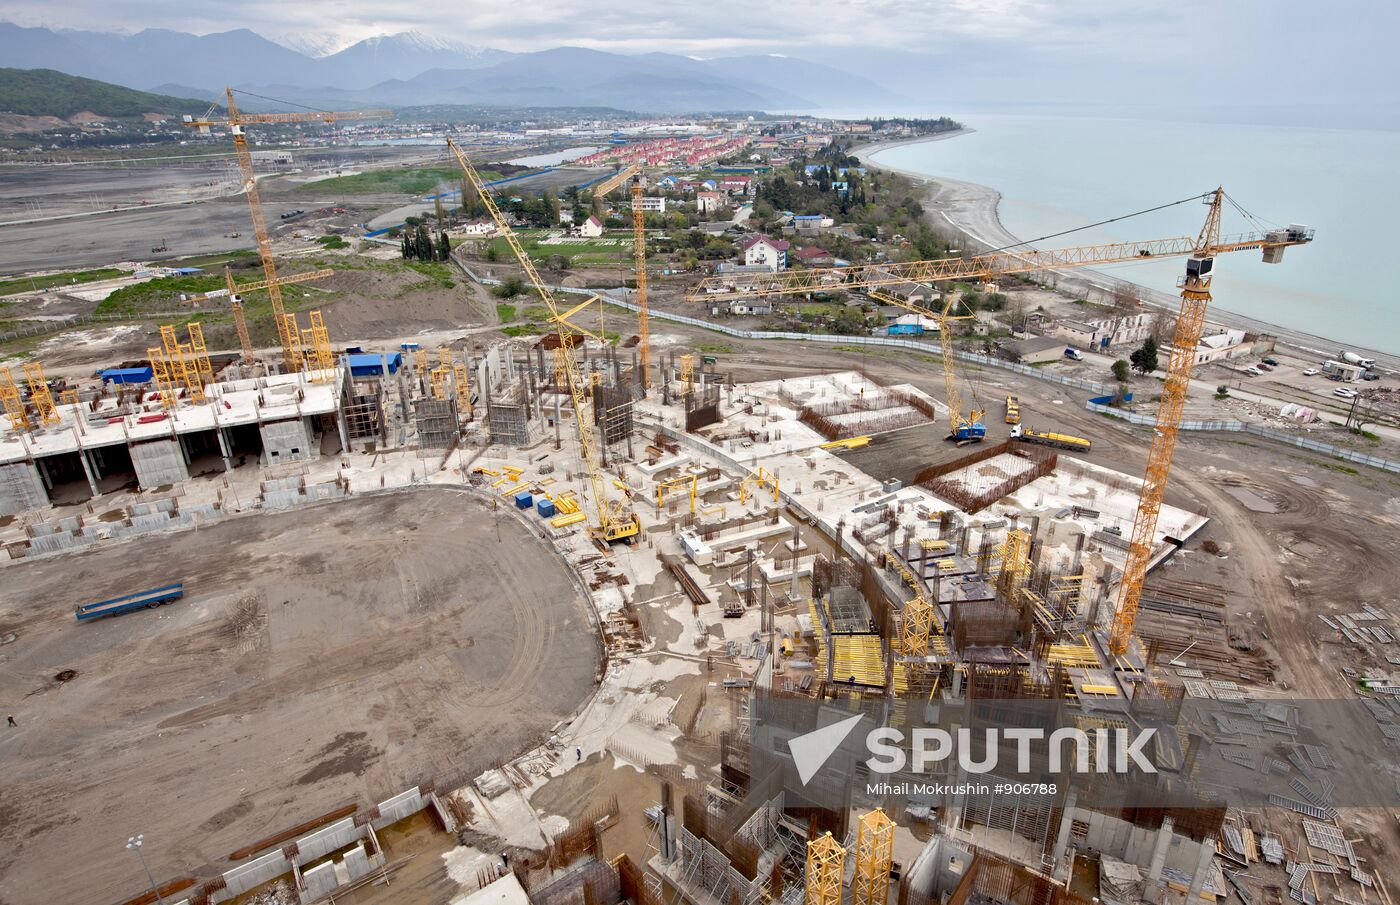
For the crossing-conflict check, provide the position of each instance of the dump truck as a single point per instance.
(116, 606)
(1013, 410)
(1046, 438)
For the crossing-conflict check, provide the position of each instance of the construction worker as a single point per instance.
(12, 720)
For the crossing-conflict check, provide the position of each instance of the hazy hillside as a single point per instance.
(412, 69)
(44, 92)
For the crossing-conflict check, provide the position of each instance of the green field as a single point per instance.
(606, 249)
(25, 284)
(401, 180)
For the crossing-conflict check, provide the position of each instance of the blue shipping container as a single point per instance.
(545, 507)
(371, 364)
(126, 375)
(523, 500)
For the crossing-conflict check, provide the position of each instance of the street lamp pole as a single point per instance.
(134, 843)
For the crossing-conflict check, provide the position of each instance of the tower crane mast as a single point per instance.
(237, 122)
(639, 251)
(614, 523)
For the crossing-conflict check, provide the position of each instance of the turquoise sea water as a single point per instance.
(1058, 173)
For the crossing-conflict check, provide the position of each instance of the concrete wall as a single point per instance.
(21, 488)
(287, 441)
(158, 462)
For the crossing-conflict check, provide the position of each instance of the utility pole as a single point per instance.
(134, 844)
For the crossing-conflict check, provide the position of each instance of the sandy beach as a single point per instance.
(971, 211)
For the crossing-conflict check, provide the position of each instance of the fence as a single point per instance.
(1317, 446)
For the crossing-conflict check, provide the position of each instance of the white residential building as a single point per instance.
(653, 205)
(591, 228)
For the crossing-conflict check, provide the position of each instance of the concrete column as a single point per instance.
(1198, 879)
(1066, 826)
(1152, 889)
(224, 449)
(87, 471)
(94, 460)
(44, 473)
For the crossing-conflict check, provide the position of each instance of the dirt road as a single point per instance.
(331, 654)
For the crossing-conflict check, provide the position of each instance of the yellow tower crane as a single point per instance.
(963, 429)
(639, 251)
(615, 180)
(237, 122)
(615, 523)
(1202, 250)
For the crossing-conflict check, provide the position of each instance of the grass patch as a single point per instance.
(332, 242)
(715, 348)
(523, 330)
(436, 271)
(504, 312)
(156, 293)
(537, 314)
(26, 284)
(1339, 467)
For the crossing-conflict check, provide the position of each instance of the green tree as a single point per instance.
(492, 254)
(553, 209)
(510, 287)
(437, 209)
(444, 247)
(1144, 358)
(850, 322)
(1120, 371)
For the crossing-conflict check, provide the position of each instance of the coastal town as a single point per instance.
(568, 505)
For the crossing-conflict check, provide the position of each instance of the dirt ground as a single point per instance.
(330, 654)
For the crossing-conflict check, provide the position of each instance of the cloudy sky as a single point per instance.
(1080, 51)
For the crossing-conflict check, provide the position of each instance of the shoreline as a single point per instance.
(970, 210)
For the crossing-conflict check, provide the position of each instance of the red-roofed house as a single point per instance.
(813, 256)
(761, 251)
(591, 228)
(710, 202)
(735, 185)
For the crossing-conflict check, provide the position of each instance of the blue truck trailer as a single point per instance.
(125, 604)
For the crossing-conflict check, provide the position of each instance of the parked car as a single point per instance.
(1370, 375)
(1311, 372)
(1252, 372)
(1263, 366)
(1271, 361)
(1344, 392)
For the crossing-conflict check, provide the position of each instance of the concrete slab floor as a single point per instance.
(387, 640)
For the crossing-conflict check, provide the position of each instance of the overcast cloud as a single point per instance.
(1081, 51)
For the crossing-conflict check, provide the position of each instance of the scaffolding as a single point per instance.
(14, 405)
(759, 477)
(874, 853)
(291, 340)
(180, 361)
(200, 352)
(160, 376)
(318, 355)
(826, 860)
(39, 393)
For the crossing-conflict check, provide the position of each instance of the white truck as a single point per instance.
(1353, 358)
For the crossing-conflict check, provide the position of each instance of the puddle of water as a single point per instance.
(1251, 500)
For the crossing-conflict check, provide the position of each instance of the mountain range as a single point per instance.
(412, 69)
